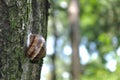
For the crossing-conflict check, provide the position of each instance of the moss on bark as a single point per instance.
(17, 19)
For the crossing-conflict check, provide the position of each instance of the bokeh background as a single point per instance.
(97, 27)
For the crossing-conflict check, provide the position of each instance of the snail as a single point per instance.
(36, 48)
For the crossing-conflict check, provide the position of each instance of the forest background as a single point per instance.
(99, 50)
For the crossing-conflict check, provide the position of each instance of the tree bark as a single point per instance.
(17, 19)
(73, 12)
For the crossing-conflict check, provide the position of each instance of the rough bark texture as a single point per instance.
(17, 19)
(73, 11)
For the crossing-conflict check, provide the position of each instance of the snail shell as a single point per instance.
(35, 47)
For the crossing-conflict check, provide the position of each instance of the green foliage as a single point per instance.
(99, 22)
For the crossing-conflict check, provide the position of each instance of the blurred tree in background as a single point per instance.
(99, 36)
(73, 16)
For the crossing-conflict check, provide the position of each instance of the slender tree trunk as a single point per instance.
(53, 56)
(17, 19)
(73, 12)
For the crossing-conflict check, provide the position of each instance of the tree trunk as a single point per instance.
(73, 12)
(17, 19)
(53, 56)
